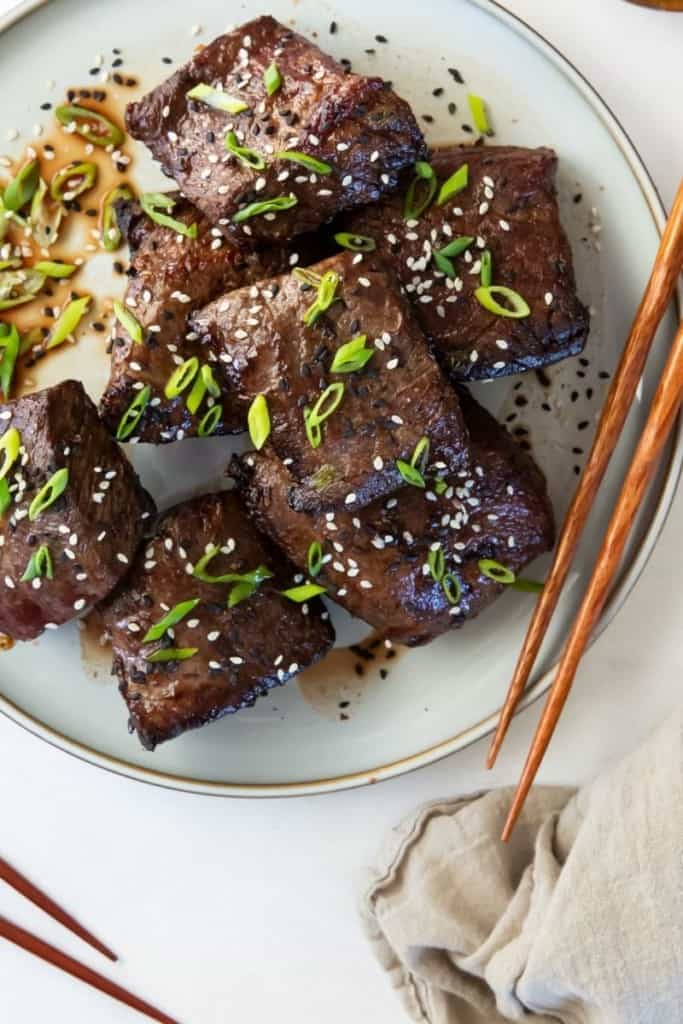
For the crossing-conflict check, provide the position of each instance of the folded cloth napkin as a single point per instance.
(578, 919)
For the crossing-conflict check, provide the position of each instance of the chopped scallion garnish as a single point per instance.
(39, 565)
(67, 322)
(48, 494)
(55, 270)
(10, 443)
(109, 229)
(411, 475)
(21, 189)
(314, 558)
(450, 584)
(496, 571)
(172, 654)
(217, 99)
(5, 497)
(247, 157)
(322, 410)
(451, 186)
(203, 382)
(154, 202)
(258, 420)
(266, 206)
(44, 217)
(92, 125)
(19, 286)
(181, 378)
(209, 422)
(309, 162)
(518, 307)
(479, 116)
(420, 456)
(129, 323)
(436, 561)
(72, 181)
(352, 356)
(327, 294)
(175, 615)
(303, 593)
(9, 352)
(527, 586)
(425, 181)
(356, 243)
(442, 257)
(272, 79)
(199, 572)
(133, 414)
(486, 272)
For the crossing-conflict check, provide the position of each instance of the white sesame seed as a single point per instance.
(548, 298)
(501, 343)
(378, 462)
(483, 208)
(79, 604)
(122, 558)
(504, 225)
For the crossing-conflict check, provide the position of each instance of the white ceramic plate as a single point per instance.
(440, 698)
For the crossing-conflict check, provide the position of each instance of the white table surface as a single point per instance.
(245, 910)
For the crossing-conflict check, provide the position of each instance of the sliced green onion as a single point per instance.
(356, 243)
(39, 565)
(478, 108)
(327, 294)
(305, 160)
(322, 410)
(485, 297)
(181, 378)
(72, 181)
(217, 99)
(153, 202)
(307, 276)
(48, 494)
(267, 206)
(352, 356)
(436, 561)
(259, 421)
(450, 584)
(5, 497)
(133, 414)
(31, 339)
(440, 485)
(10, 443)
(456, 183)
(248, 157)
(22, 188)
(527, 586)
(110, 231)
(19, 286)
(314, 558)
(411, 475)
(495, 571)
(413, 207)
(240, 592)
(272, 79)
(92, 125)
(176, 614)
(303, 593)
(420, 456)
(44, 217)
(9, 352)
(9, 265)
(486, 272)
(442, 257)
(210, 421)
(172, 654)
(55, 270)
(204, 381)
(255, 576)
(129, 323)
(68, 321)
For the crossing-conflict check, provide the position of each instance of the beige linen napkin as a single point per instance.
(578, 919)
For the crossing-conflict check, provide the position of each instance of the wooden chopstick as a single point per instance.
(42, 900)
(665, 406)
(660, 287)
(44, 951)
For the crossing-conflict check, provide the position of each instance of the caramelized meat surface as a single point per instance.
(235, 654)
(171, 275)
(377, 561)
(83, 542)
(262, 346)
(361, 133)
(509, 209)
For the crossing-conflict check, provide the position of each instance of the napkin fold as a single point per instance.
(578, 919)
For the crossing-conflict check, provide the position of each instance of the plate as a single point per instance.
(356, 722)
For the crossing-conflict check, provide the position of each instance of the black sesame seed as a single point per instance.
(466, 128)
(94, 71)
(452, 108)
(167, 60)
(577, 470)
(118, 267)
(583, 424)
(577, 451)
(333, 27)
(99, 326)
(117, 78)
(546, 407)
(581, 374)
(343, 717)
(603, 375)
(578, 197)
(344, 703)
(574, 395)
(117, 63)
(437, 92)
(91, 212)
(383, 673)
(370, 51)
(583, 361)
(71, 95)
(428, 118)
(455, 74)
(46, 106)
(381, 39)
(130, 82)
(359, 670)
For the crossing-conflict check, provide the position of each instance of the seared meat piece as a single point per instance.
(361, 132)
(510, 209)
(378, 566)
(171, 275)
(227, 657)
(398, 397)
(57, 563)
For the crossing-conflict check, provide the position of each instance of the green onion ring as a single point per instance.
(19, 286)
(496, 571)
(485, 297)
(324, 407)
(247, 157)
(456, 183)
(175, 615)
(209, 422)
(327, 294)
(84, 175)
(420, 456)
(412, 208)
(486, 272)
(217, 99)
(309, 162)
(442, 257)
(89, 123)
(450, 584)
(39, 565)
(266, 206)
(22, 188)
(153, 202)
(314, 558)
(356, 243)
(48, 494)
(10, 443)
(437, 563)
(181, 378)
(110, 232)
(133, 414)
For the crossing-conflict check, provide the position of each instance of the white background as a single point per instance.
(245, 911)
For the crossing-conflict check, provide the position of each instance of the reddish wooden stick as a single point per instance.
(660, 287)
(665, 406)
(31, 892)
(54, 956)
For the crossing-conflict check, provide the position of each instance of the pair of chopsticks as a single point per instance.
(44, 951)
(665, 405)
